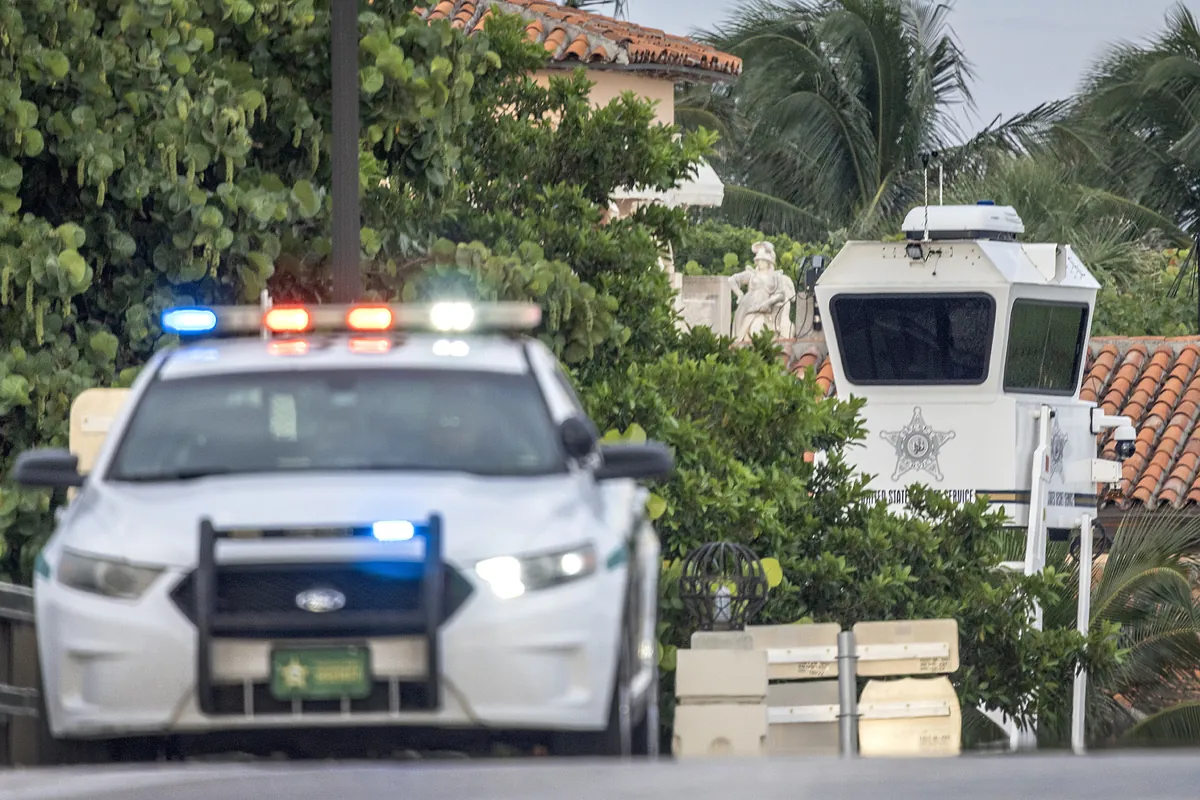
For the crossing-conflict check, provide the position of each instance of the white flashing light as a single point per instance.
(393, 530)
(452, 316)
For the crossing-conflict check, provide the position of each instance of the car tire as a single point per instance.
(616, 740)
(647, 735)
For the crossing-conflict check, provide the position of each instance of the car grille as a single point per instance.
(371, 586)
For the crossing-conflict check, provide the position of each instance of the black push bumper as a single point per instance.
(232, 600)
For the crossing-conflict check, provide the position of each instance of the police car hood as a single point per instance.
(158, 523)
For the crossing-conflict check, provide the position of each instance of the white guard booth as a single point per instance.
(956, 341)
(969, 348)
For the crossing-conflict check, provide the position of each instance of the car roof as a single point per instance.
(482, 353)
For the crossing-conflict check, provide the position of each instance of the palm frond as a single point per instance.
(691, 118)
(837, 100)
(1176, 725)
(753, 209)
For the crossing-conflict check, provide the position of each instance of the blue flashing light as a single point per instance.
(184, 321)
(986, 203)
(393, 530)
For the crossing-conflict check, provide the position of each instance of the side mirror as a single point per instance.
(45, 468)
(579, 437)
(649, 460)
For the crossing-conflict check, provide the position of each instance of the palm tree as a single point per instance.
(837, 103)
(1058, 202)
(1138, 119)
(1144, 584)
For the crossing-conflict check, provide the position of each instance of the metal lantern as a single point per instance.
(722, 585)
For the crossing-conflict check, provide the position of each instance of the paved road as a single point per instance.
(1124, 777)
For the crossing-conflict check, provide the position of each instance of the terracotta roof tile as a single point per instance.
(1154, 380)
(573, 35)
(554, 41)
(463, 16)
(577, 49)
(442, 10)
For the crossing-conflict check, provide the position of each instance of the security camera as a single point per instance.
(1125, 437)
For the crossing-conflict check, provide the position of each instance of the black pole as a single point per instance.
(347, 216)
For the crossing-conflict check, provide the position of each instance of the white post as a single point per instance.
(1035, 534)
(1083, 618)
(1035, 545)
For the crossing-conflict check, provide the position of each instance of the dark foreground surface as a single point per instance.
(1124, 777)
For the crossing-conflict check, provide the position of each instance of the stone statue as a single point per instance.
(767, 297)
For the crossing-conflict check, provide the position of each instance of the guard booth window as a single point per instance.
(910, 339)
(1045, 347)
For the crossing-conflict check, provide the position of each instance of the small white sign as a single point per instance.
(92, 423)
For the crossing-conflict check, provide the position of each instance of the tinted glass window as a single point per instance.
(1045, 347)
(483, 423)
(914, 339)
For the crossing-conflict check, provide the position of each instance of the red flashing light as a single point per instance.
(369, 318)
(376, 346)
(287, 320)
(285, 348)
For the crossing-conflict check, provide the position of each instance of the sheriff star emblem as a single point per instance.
(294, 675)
(1058, 450)
(917, 446)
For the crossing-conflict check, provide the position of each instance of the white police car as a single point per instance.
(378, 519)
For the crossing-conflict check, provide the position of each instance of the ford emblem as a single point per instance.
(321, 601)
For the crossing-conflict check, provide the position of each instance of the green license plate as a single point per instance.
(324, 673)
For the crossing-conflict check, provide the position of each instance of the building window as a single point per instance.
(1045, 347)
(914, 339)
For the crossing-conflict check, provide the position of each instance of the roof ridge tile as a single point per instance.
(572, 35)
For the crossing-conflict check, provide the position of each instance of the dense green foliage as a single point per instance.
(159, 151)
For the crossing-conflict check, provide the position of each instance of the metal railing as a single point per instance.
(18, 675)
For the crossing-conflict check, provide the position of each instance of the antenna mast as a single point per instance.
(925, 181)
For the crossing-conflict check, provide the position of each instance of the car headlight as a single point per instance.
(509, 576)
(105, 577)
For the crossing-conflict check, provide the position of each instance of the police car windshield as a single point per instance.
(416, 420)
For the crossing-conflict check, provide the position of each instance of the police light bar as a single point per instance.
(445, 317)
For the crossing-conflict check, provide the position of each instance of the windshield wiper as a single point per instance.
(178, 475)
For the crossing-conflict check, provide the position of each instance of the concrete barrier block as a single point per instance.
(725, 729)
(721, 675)
(797, 652)
(910, 717)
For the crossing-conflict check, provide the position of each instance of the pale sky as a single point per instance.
(1024, 51)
